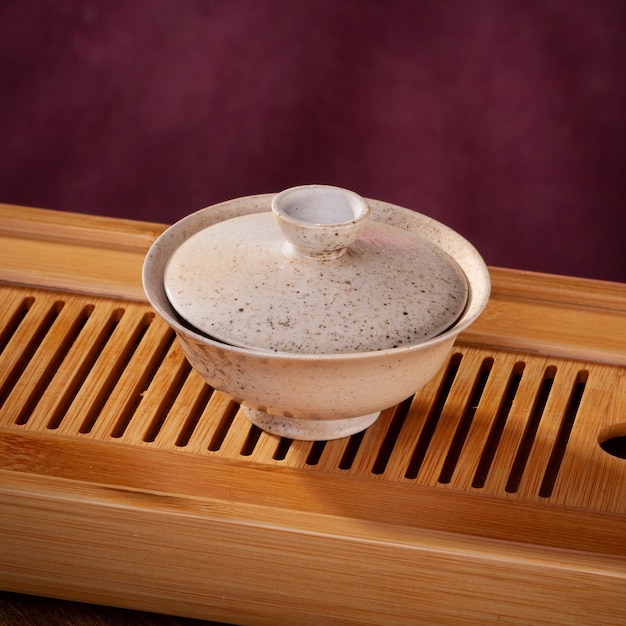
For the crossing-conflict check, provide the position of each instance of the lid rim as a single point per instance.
(452, 242)
(257, 301)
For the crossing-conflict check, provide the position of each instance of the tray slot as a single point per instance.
(565, 429)
(28, 329)
(498, 426)
(530, 431)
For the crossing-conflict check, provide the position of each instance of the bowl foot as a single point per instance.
(309, 429)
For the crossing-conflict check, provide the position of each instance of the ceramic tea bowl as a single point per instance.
(314, 393)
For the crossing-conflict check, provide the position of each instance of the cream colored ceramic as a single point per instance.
(315, 396)
(314, 275)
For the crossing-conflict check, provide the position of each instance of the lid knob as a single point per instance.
(320, 221)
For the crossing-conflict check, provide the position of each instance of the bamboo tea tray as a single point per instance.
(125, 480)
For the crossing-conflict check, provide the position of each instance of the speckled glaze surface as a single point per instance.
(314, 275)
(295, 392)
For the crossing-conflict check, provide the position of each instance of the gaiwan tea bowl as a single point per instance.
(315, 309)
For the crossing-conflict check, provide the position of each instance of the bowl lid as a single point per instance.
(314, 275)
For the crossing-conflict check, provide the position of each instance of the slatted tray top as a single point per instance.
(514, 454)
(507, 424)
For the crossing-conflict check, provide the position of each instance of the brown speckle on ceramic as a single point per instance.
(247, 281)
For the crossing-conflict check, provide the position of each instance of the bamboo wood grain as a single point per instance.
(126, 480)
(378, 564)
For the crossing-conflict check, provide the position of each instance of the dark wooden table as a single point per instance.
(26, 610)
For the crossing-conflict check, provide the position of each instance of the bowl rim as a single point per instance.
(169, 240)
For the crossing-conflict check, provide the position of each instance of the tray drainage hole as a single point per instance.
(613, 440)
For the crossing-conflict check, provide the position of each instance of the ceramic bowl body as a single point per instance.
(308, 396)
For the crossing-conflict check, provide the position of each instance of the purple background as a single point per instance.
(504, 119)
